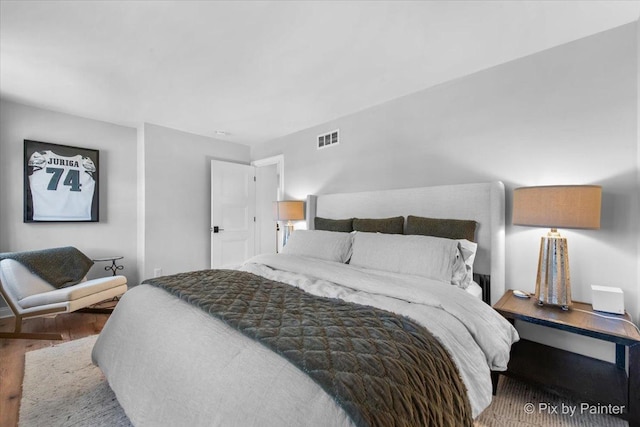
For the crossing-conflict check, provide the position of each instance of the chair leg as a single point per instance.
(29, 336)
(96, 309)
(18, 334)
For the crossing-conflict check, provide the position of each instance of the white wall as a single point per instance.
(177, 197)
(154, 191)
(568, 115)
(115, 234)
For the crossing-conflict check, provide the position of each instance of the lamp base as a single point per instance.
(553, 283)
(288, 229)
(564, 307)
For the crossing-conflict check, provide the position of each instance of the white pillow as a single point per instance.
(326, 245)
(426, 256)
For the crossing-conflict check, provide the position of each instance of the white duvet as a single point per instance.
(171, 364)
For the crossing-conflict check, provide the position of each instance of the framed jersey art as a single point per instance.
(60, 183)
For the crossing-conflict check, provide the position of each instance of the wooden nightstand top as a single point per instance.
(512, 307)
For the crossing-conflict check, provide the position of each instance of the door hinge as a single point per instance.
(254, 179)
(254, 219)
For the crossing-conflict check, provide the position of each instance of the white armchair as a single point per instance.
(28, 296)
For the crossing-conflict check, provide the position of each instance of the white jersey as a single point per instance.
(61, 187)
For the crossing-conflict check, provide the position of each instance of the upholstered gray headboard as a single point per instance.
(482, 202)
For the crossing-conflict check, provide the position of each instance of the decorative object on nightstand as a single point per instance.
(288, 210)
(608, 299)
(557, 206)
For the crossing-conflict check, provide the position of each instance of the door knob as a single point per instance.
(216, 229)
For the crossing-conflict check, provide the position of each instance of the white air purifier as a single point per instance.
(607, 299)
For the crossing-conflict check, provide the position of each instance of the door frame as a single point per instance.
(277, 160)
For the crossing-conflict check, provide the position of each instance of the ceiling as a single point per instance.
(261, 70)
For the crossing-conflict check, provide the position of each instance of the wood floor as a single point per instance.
(72, 326)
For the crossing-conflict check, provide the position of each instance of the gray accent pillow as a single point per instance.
(393, 225)
(446, 228)
(341, 225)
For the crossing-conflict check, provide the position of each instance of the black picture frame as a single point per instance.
(61, 183)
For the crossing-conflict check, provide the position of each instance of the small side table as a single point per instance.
(100, 307)
(113, 267)
(565, 372)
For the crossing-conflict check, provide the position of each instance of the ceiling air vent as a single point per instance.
(329, 139)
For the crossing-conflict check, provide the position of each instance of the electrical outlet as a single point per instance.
(157, 272)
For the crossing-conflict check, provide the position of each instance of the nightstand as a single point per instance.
(563, 372)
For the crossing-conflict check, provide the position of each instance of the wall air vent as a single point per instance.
(329, 139)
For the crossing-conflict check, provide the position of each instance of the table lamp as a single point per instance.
(557, 206)
(288, 210)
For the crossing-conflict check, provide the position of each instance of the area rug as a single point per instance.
(63, 388)
(520, 404)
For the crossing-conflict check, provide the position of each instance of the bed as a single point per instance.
(182, 350)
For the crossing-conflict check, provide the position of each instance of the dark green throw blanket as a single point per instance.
(60, 267)
(382, 368)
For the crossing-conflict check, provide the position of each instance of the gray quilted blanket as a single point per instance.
(60, 267)
(382, 368)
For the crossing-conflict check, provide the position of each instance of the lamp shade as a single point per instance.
(288, 210)
(558, 206)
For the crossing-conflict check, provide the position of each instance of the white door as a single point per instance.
(233, 206)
